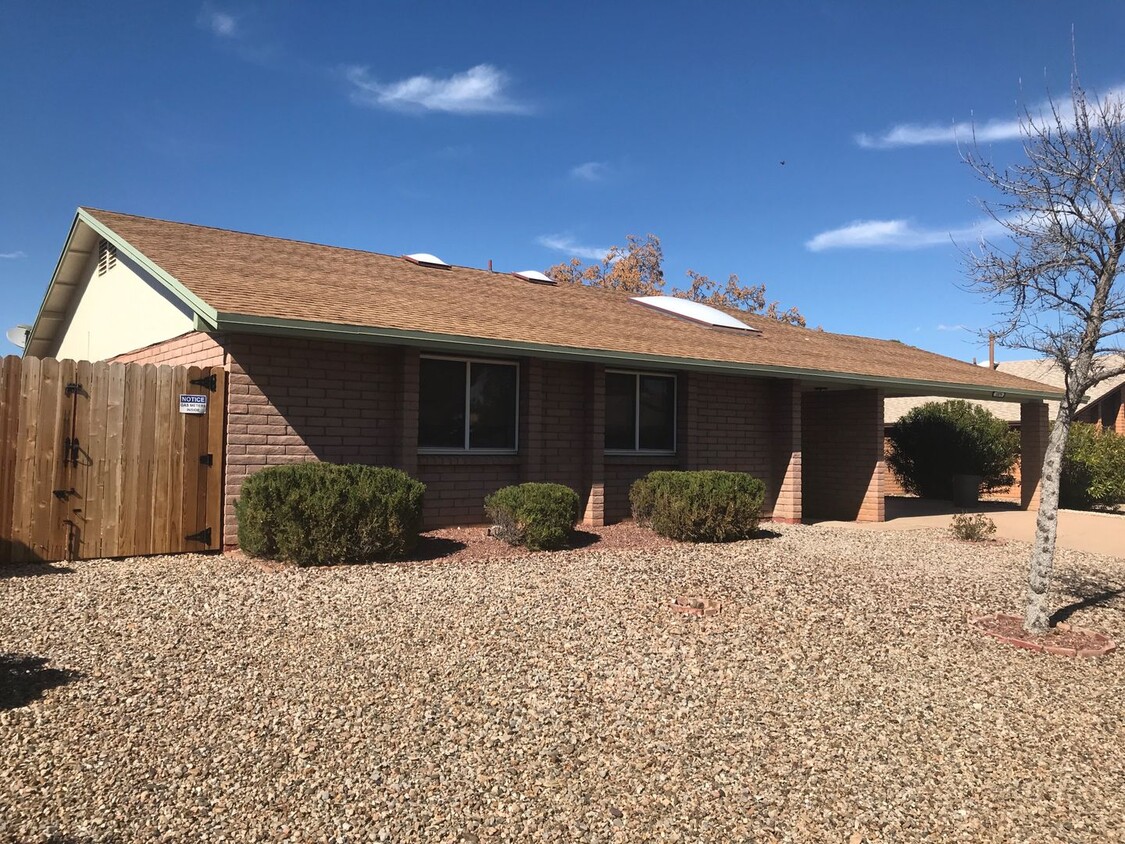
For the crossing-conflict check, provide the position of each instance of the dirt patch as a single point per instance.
(468, 544)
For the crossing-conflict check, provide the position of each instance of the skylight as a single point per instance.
(425, 259)
(694, 311)
(535, 276)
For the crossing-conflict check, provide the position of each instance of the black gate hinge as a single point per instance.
(203, 536)
(206, 460)
(207, 381)
(64, 494)
(73, 388)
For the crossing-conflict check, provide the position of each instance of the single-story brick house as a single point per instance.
(471, 379)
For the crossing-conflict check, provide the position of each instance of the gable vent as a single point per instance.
(535, 277)
(425, 259)
(107, 256)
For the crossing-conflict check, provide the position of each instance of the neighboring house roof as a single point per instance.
(1041, 370)
(240, 282)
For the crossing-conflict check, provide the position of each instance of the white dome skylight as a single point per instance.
(694, 311)
(535, 276)
(426, 260)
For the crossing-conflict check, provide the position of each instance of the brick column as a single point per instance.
(594, 516)
(1033, 445)
(1119, 425)
(873, 508)
(531, 416)
(408, 415)
(786, 460)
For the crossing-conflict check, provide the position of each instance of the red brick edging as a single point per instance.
(695, 606)
(1103, 646)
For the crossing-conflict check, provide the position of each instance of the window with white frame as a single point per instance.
(467, 404)
(640, 412)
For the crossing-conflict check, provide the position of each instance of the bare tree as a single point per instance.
(638, 267)
(1057, 273)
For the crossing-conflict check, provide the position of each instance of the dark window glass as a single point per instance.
(1111, 406)
(620, 411)
(441, 403)
(492, 406)
(658, 413)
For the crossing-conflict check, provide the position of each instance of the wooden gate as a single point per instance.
(97, 459)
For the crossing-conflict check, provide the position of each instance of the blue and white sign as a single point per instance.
(195, 405)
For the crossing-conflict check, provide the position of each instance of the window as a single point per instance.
(467, 405)
(640, 412)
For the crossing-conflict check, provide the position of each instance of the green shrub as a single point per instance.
(937, 440)
(976, 528)
(323, 513)
(699, 506)
(1093, 471)
(538, 516)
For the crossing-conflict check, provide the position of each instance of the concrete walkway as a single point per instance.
(1098, 533)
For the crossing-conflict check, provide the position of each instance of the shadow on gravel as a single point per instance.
(32, 570)
(763, 533)
(24, 679)
(434, 548)
(1090, 593)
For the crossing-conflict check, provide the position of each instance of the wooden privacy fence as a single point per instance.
(97, 459)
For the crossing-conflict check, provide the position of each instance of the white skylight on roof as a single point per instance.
(535, 276)
(695, 311)
(426, 260)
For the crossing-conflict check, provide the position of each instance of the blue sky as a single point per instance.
(525, 132)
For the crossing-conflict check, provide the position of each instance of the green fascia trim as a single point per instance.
(54, 277)
(230, 322)
(201, 309)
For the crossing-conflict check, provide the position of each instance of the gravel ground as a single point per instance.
(840, 695)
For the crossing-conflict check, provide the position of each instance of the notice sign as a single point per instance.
(195, 405)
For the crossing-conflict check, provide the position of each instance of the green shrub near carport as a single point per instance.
(1093, 473)
(324, 513)
(939, 440)
(702, 506)
(539, 516)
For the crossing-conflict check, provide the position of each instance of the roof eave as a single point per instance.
(245, 323)
(204, 314)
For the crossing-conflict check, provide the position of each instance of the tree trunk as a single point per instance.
(1037, 616)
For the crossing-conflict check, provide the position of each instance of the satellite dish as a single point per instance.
(17, 335)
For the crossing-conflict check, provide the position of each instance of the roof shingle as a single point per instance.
(268, 277)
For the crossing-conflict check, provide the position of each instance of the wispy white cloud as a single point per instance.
(590, 171)
(566, 243)
(479, 90)
(899, 234)
(222, 24)
(987, 131)
(19, 253)
(941, 326)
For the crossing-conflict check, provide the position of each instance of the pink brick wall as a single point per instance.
(192, 349)
(456, 485)
(292, 400)
(842, 455)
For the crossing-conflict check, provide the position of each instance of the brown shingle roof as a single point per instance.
(268, 277)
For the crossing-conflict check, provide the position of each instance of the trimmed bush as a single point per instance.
(975, 528)
(323, 513)
(1093, 471)
(540, 517)
(699, 506)
(937, 440)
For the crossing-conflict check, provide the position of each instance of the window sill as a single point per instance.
(468, 452)
(643, 455)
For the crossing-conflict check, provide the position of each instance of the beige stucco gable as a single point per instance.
(118, 310)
